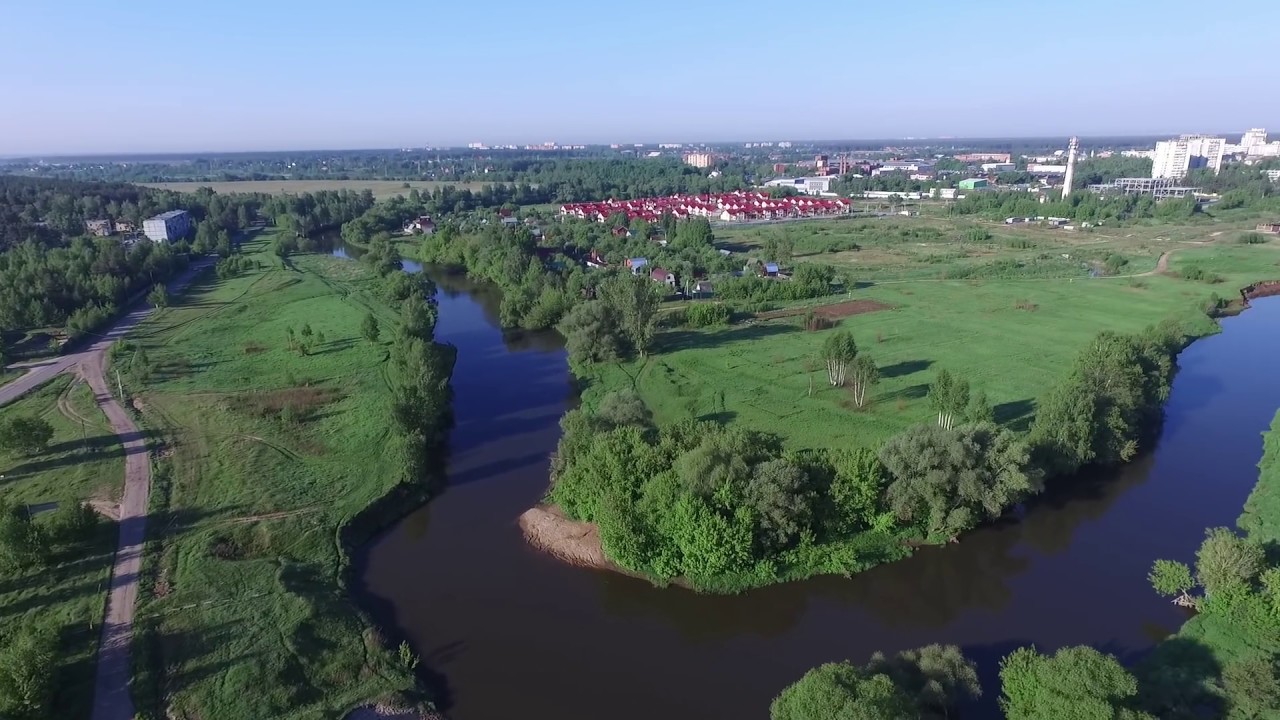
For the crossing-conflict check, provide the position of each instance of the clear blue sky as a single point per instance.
(144, 75)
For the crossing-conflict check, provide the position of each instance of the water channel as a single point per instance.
(515, 633)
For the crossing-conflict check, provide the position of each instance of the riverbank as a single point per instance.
(278, 457)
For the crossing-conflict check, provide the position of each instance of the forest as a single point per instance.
(53, 275)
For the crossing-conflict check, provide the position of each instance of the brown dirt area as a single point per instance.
(834, 312)
(577, 543)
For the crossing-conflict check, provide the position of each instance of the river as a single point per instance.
(514, 633)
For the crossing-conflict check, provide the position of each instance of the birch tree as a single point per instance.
(949, 397)
(862, 375)
(839, 352)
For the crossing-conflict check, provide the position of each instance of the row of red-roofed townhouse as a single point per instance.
(728, 207)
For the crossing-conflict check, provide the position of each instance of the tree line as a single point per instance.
(933, 681)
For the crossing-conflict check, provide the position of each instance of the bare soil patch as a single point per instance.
(834, 312)
(577, 543)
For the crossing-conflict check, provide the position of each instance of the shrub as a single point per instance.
(1251, 238)
(707, 314)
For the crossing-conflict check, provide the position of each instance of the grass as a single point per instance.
(1012, 338)
(83, 462)
(244, 611)
(382, 189)
(940, 247)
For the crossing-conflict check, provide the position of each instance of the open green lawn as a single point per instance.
(888, 248)
(243, 612)
(83, 462)
(382, 189)
(1011, 338)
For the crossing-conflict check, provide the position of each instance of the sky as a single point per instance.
(86, 76)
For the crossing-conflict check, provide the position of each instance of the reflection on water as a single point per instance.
(519, 634)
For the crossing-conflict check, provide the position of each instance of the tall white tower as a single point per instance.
(1071, 167)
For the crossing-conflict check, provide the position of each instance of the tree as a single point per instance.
(856, 490)
(159, 296)
(862, 376)
(634, 302)
(72, 522)
(22, 545)
(28, 665)
(949, 397)
(1252, 688)
(782, 499)
(29, 435)
(1172, 579)
(838, 352)
(369, 328)
(948, 480)
(1226, 559)
(622, 408)
(938, 676)
(591, 333)
(842, 691)
(980, 409)
(1075, 682)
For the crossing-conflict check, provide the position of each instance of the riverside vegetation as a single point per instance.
(704, 462)
(301, 402)
(1225, 662)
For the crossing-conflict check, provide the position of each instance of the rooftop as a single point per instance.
(169, 215)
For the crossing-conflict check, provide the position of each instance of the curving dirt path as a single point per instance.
(111, 699)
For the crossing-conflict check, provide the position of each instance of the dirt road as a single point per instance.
(111, 698)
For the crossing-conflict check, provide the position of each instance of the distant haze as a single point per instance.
(82, 76)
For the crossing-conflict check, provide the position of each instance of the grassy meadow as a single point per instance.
(269, 452)
(1012, 338)
(83, 462)
(382, 189)
(941, 247)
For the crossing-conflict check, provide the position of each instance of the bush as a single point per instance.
(1251, 238)
(706, 314)
(1199, 274)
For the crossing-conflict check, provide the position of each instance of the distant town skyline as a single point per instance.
(267, 76)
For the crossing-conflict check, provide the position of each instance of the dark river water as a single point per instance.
(514, 633)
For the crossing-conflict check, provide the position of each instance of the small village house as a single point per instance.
(664, 276)
(637, 265)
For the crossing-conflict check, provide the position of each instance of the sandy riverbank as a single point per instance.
(577, 543)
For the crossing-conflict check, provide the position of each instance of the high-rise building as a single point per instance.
(1174, 158)
(1255, 136)
(700, 159)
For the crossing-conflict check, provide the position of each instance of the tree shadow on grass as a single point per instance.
(911, 392)
(674, 340)
(907, 367)
(724, 417)
(1016, 415)
(1176, 679)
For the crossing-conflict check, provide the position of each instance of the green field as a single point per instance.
(382, 189)
(83, 462)
(1012, 338)
(270, 452)
(938, 247)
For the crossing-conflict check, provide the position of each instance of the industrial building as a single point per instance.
(973, 183)
(167, 227)
(998, 167)
(1159, 188)
(1175, 158)
(806, 185)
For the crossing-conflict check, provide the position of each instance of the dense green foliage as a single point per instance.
(717, 507)
(913, 685)
(28, 435)
(1112, 401)
(1075, 683)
